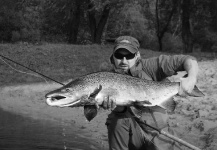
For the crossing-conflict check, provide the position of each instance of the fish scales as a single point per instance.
(120, 87)
(90, 90)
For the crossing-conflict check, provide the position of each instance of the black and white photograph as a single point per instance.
(108, 75)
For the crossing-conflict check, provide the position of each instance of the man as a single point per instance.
(126, 129)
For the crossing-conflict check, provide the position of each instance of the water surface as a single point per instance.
(22, 133)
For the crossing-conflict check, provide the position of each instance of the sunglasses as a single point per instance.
(127, 56)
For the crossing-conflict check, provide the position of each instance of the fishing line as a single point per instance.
(23, 71)
(42, 75)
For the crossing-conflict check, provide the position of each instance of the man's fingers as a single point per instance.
(113, 104)
(104, 103)
(109, 103)
(187, 84)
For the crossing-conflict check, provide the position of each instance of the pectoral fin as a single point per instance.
(96, 91)
(90, 111)
(169, 105)
(141, 104)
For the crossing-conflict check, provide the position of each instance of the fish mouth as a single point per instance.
(61, 101)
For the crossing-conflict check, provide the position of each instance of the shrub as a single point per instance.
(172, 43)
(15, 36)
(24, 34)
(149, 40)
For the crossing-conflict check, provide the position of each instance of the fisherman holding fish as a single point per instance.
(138, 93)
(126, 129)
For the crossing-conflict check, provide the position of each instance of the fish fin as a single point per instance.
(195, 92)
(90, 111)
(169, 105)
(96, 91)
(141, 103)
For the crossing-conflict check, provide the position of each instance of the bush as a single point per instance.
(15, 36)
(35, 35)
(206, 39)
(172, 43)
(149, 40)
(24, 34)
(30, 35)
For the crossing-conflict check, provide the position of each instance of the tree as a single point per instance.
(164, 17)
(9, 21)
(62, 18)
(74, 22)
(186, 29)
(96, 29)
(69, 14)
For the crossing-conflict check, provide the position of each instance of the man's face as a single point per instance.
(124, 59)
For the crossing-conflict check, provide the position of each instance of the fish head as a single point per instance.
(74, 94)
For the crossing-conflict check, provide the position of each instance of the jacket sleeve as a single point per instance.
(170, 65)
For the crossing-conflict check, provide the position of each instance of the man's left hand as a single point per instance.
(187, 85)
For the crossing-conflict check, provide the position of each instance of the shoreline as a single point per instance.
(195, 119)
(28, 101)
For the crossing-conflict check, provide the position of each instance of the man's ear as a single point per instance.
(112, 59)
(138, 55)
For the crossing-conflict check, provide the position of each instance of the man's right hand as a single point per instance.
(108, 103)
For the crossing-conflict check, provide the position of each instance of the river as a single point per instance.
(23, 133)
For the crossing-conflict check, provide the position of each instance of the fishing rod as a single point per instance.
(32, 70)
(174, 138)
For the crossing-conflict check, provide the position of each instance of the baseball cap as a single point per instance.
(127, 42)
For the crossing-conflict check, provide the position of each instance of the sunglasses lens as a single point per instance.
(118, 56)
(121, 56)
(130, 56)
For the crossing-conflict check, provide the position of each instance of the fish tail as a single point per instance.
(194, 93)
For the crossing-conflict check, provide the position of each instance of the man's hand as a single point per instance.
(187, 85)
(108, 103)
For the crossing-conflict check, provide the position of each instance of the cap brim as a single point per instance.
(129, 48)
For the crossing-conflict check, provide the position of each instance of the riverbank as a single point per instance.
(195, 119)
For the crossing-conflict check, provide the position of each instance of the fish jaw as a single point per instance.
(61, 100)
(70, 100)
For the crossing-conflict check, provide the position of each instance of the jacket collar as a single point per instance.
(138, 71)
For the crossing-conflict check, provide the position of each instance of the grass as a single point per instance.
(59, 61)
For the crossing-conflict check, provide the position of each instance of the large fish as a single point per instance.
(90, 90)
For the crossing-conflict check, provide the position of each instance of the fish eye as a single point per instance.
(66, 90)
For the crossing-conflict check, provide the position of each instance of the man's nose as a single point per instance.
(124, 59)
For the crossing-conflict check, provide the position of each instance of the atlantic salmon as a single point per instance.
(90, 91)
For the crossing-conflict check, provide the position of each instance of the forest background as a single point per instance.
(64, 39)
(162, 25)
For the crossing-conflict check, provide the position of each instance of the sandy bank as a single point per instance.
(195, 119)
